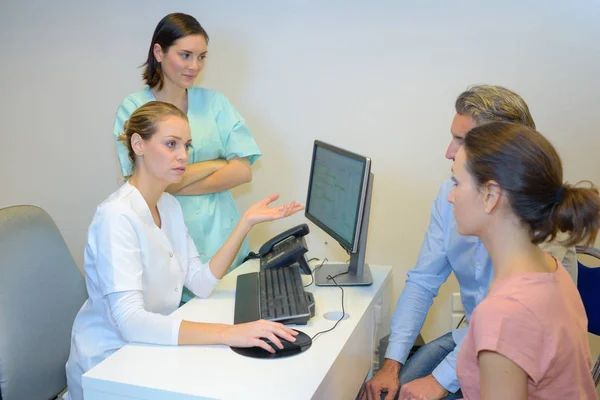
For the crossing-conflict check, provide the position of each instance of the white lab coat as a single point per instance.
(127, 254)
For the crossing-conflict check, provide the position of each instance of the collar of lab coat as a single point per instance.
(140, 206)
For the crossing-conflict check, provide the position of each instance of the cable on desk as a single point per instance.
(322, 262)
(343, 310)
(312, 279)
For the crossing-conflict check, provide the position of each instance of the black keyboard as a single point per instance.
(275, 294)
(282, 294)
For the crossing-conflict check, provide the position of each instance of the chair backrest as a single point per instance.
(41, 290)
(588, 284)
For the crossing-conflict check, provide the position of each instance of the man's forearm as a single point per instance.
(407, 321)
(445, 372)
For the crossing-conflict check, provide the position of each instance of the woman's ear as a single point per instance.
(158, 52)
(137, 144)
(492, 194)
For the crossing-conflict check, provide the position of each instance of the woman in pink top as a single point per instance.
(528, 338)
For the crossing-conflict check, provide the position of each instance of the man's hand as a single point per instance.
(386, 380)
(427, 388)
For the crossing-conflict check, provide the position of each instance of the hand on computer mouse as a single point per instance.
(286, 345)
(302, 341)
(250, 334)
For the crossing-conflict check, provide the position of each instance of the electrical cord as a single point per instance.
(312, 273)
(329, 277)
(251, 256)
(461, 321)
(343, 310)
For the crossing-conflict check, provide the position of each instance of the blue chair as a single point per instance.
(588, 282)
(41, 291)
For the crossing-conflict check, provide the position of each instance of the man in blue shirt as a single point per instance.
(431, 372)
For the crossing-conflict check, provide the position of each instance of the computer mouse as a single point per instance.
(303, 341)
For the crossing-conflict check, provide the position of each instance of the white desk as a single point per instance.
(334, 367)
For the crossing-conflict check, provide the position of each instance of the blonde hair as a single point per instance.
(144, 122)
(486, 103)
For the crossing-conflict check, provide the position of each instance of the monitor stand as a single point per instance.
(342, 276)
(355, 273)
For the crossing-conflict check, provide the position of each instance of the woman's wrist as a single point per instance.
(245, 225)
(223, 333)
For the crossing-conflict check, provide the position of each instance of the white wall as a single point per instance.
(378, 78)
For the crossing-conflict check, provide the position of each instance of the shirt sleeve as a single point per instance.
(423, 283)
(118, 254)
(505, 326)
(235, 135)
(445, 372)
(138, 325)
(123, 113)
(199, 279)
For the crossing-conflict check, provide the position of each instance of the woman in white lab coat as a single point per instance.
(139, 255)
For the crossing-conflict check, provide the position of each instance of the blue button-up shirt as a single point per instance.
(445, 251)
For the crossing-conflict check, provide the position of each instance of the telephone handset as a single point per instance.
(287, 248)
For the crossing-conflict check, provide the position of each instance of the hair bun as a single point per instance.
(578, 213)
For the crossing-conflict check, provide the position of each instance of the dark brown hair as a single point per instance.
(169, 29)
(144, 122)
(487, 103)
(528, 169)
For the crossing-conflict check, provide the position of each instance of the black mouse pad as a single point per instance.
(302, 339)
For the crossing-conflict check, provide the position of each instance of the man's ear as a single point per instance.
(137, 144)
(158, 52)
(492, 194)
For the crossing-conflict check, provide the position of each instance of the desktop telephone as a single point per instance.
(285, 249)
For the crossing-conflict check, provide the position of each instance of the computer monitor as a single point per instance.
(339, 202)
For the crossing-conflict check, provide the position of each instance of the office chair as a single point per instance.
(588, 281)
(41, 290)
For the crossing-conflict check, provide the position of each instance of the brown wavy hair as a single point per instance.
(529, 170)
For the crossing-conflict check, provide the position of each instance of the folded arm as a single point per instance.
(236, 172)
(196, 172)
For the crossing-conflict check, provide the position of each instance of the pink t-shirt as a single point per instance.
(536, 320)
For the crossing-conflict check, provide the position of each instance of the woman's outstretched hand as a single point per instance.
(261, 212)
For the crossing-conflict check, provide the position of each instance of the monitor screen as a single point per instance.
(336, 192)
